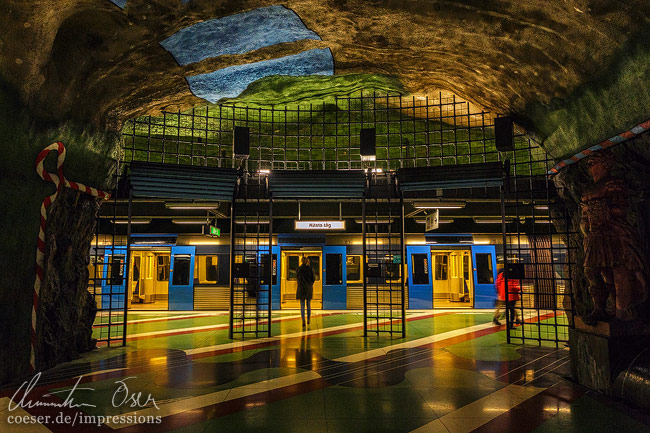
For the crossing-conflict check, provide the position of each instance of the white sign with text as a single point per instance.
(320, 225)
(432, 220)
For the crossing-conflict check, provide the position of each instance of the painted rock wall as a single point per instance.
(67, 310)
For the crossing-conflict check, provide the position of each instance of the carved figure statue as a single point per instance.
(614, 264)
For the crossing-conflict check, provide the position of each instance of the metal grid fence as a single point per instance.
(410, 132)
(531, 239)
(108, 275)
(384, 253)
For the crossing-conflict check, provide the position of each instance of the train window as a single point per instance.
(293, 263)
(115, 270)
(420, 269)
(264, 270)
(207, 269)
(441, 267)
(353, 268)
(466, 267)
(181, 270)
(162, 270)
(252, 281)
(334, 267)
(484, 270)
(315, 265)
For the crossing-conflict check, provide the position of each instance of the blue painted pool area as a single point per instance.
(231, 81)
(237, 34)
(119, 3)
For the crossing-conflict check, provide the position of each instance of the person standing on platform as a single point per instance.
(305, 291)
(512, 297)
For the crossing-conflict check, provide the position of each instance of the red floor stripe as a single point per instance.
(220, 409)
(158, 319)
(216, 328)
(323, 333)
(134, 370)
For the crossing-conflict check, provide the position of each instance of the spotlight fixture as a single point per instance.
(241, 141)
(368, 141)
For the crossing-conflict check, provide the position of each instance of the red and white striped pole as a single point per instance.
(59, 181)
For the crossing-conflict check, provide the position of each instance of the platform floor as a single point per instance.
(454, 373)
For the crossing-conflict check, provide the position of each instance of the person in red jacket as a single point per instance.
(509, 304)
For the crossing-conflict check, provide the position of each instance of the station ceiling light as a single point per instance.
(375, 220)
(133, 221)
(190, 220)
(491, 220)
(439, 204)
(252, 221)
(538, 221)
(440, 221)
(192, 205)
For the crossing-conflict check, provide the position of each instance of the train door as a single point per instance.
(354, 281)
(419, 278)
(485, 275)
(181, 279)
(334, 278)
(452, 279)
(291, 260)
(114, 281)
(149, 279)
(440, 278)
(263, 258)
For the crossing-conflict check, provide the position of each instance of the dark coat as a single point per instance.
(306, 278)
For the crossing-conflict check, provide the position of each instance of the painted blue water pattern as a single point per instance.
(237, 34)
(119, 3)
(231, 81)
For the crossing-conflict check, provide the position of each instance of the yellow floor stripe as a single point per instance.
(481, 411)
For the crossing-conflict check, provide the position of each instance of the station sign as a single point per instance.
(320, 225)
(432, 220)
(213, 231)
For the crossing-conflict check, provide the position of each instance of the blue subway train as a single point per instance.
(191, 272)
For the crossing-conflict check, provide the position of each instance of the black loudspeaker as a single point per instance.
(503, 134)
(368, 140)
(241, 141)
(516, 271)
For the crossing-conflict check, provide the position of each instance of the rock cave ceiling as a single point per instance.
(105, 61)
